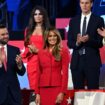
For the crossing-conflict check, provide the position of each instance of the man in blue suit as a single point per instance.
(10, 64)
(85, 41)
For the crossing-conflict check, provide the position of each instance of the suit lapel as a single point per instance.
(90, 23)
(79, 23)
(8, 55)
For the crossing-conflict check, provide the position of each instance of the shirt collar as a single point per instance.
(88, 15)
(5, 46)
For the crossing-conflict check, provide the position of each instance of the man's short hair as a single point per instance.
(91, 1)
(2, 26)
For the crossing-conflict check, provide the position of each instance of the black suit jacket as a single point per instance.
(8, 79)
(91, 47)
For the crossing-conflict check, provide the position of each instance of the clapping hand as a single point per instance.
(101, 31)
(33, 48)
(85, 38)
(81, 39)
(19, 61)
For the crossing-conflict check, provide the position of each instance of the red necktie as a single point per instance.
(4, 58)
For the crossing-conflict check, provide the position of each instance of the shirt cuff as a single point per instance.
(77, 44)
(103, 41)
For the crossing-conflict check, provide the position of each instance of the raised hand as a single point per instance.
(33, 48)
(101, 31)
(19, 61)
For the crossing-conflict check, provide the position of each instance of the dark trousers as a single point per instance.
(10, 99)
(85, 76)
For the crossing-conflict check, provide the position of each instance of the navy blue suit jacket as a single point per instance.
(8, 79)
(91, 46)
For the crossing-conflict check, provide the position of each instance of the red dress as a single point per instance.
(32, 60)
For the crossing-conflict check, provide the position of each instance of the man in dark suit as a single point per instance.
(85, 42)
(10, 65)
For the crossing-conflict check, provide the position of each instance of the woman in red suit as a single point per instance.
(53, 70)
(38, 23)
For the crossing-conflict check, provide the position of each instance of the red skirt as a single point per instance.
(49, 94)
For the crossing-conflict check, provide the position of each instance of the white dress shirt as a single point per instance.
(87, 21)
(5, 49)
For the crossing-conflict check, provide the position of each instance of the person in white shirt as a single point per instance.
(10, 65)
(85, 41)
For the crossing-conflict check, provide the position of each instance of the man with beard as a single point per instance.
(10, 64)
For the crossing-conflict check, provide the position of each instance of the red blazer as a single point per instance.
(52, 72)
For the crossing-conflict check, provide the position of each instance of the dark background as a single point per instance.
(15, 13)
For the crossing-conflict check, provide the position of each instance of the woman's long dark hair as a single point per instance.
(32, 24)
